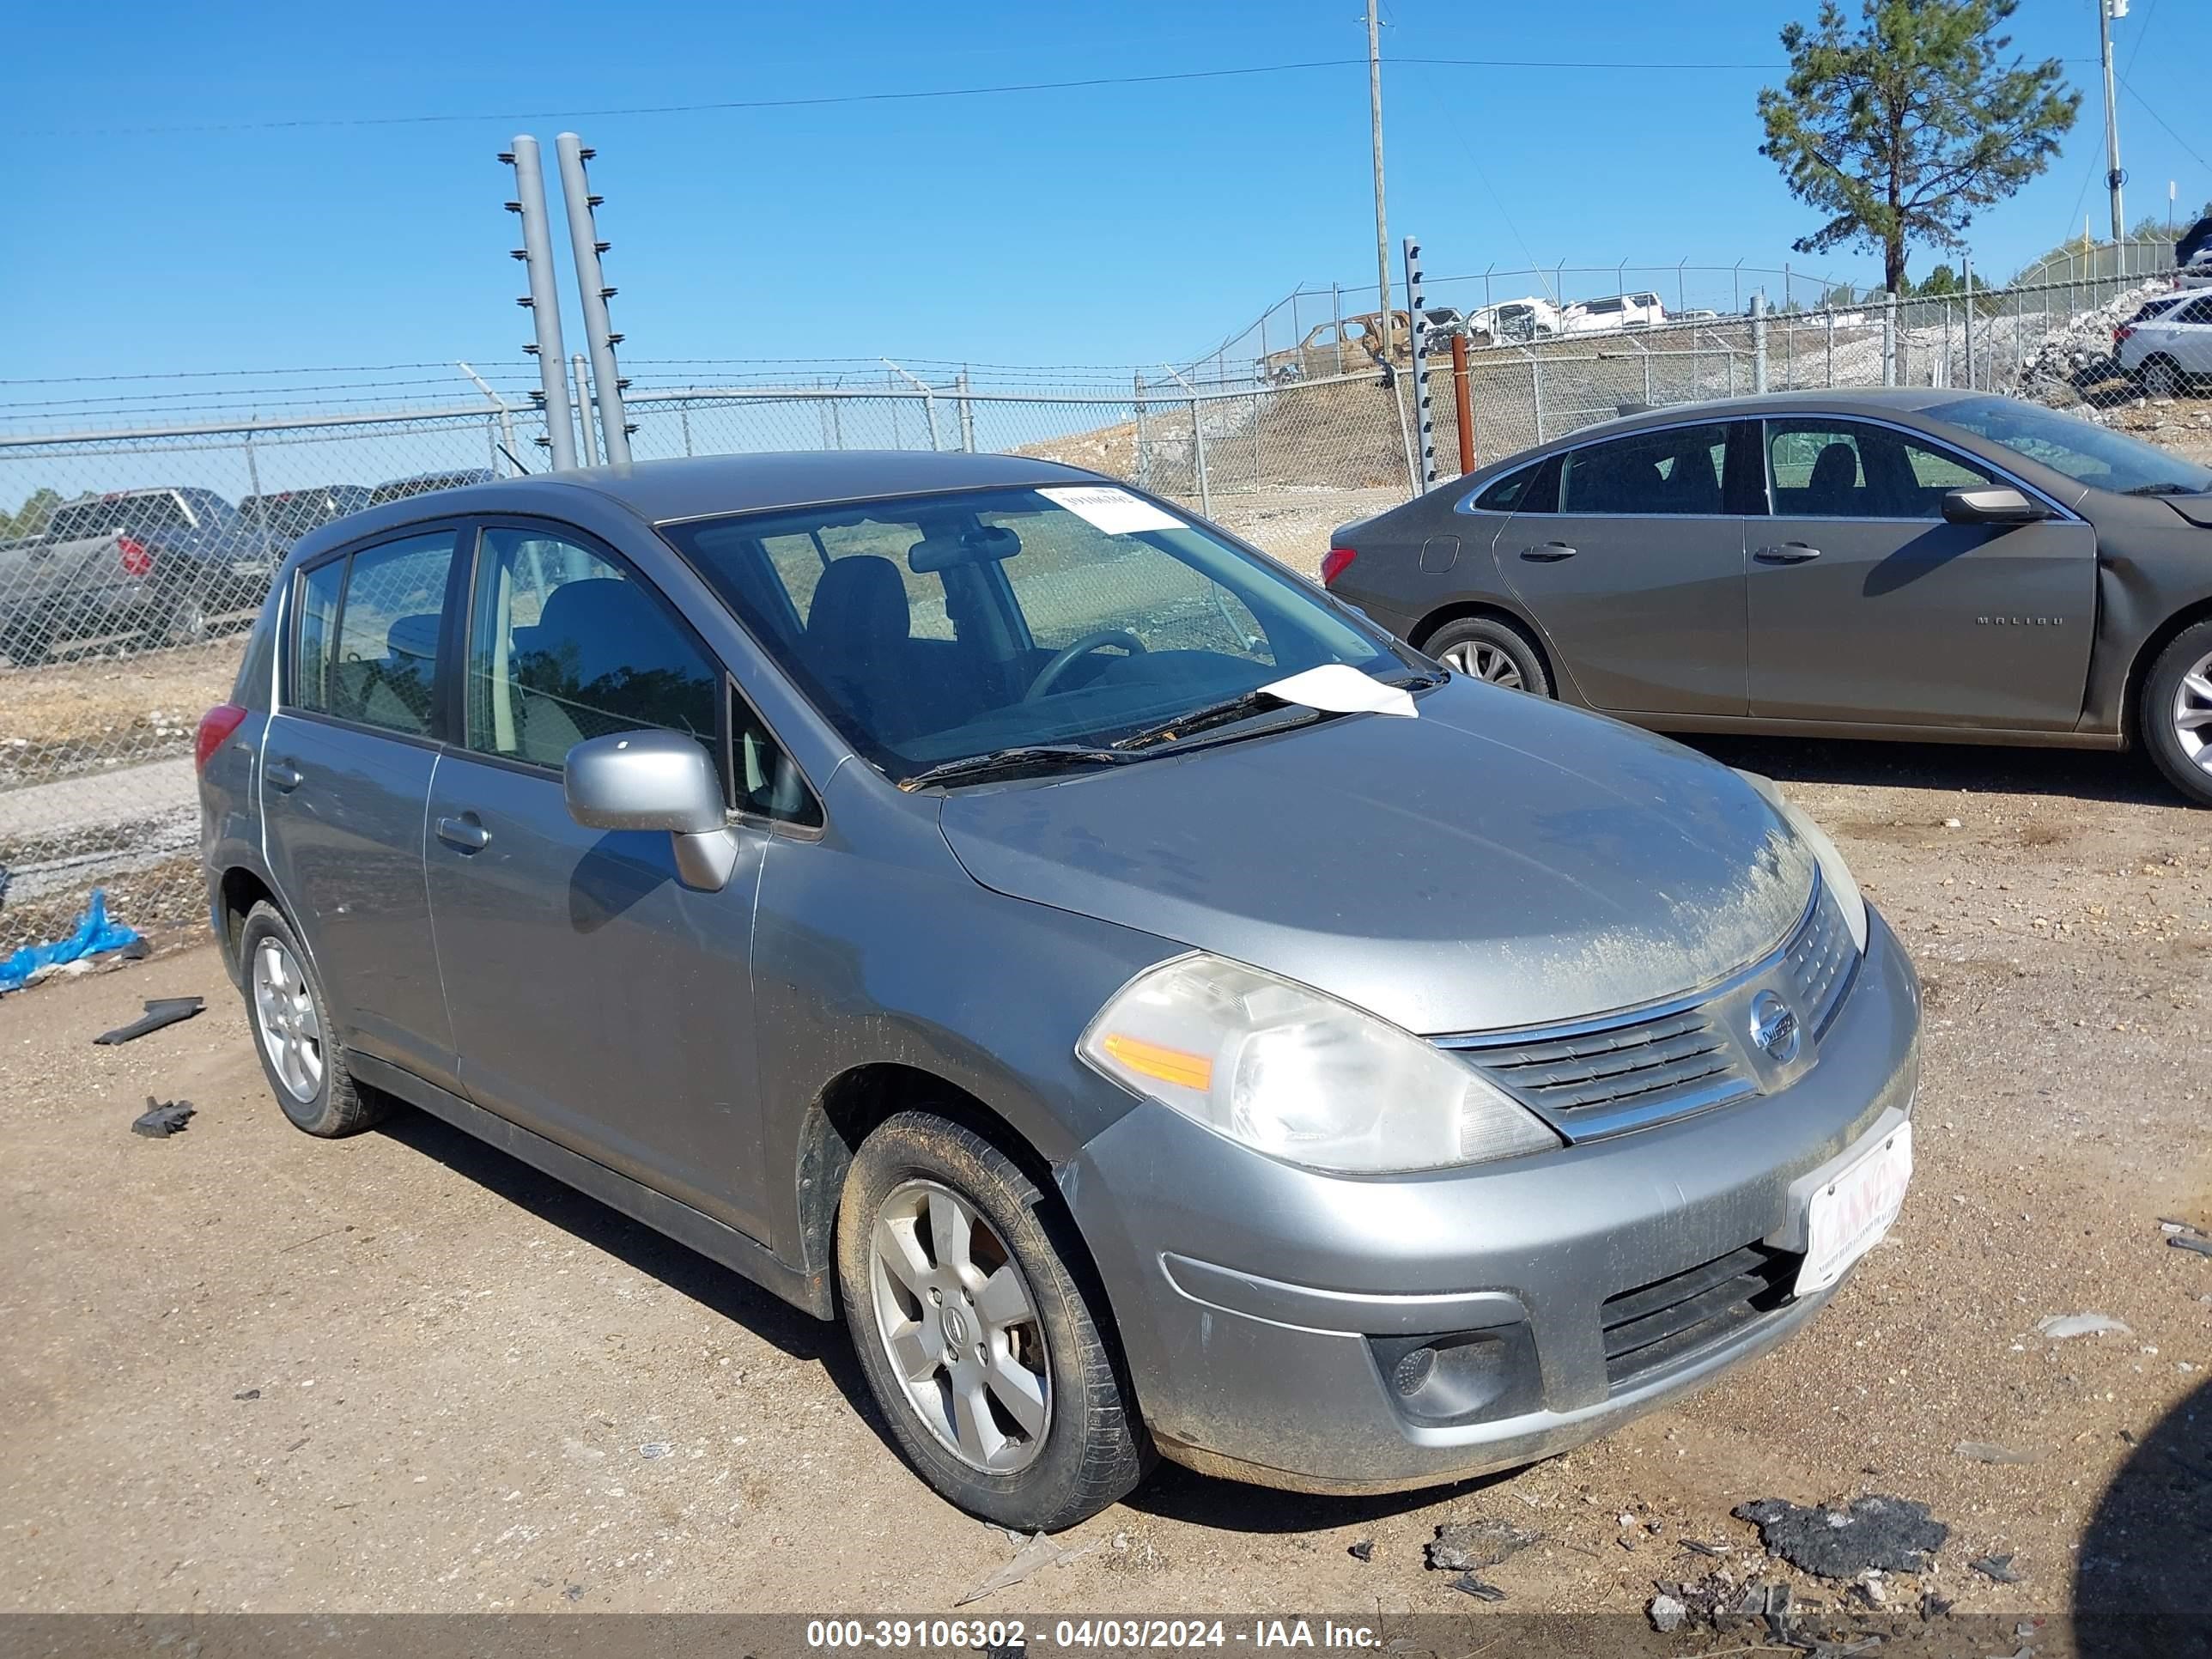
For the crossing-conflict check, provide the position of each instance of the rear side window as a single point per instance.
(567, 644)
(1678, 471)
(368, 634)
(1505, 494)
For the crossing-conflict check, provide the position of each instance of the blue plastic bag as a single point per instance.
(95, 933)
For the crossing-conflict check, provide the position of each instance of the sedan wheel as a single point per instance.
(960, 1326)
(2192, 714)
(1481, 661)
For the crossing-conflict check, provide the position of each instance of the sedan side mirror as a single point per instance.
(655, 779)
(1992, 504)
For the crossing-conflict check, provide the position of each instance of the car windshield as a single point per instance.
(934, 629)
(2086, 453)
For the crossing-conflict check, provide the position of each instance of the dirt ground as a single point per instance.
(247, 1370)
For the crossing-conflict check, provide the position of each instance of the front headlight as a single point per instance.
(1296, 1074)
(1835, 874)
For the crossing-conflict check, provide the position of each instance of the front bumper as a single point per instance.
(1263, 1307)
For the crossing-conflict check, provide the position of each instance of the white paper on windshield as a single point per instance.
(1116, 511)
(1343, 689)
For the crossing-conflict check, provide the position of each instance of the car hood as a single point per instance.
(1498, 860)
(2197, 509)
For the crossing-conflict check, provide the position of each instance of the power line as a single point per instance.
(737, 106)
(2163, 122)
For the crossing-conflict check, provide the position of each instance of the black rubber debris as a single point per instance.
(1467, 1546)
(2195, 1242)
(1467, 1584)
(247, 1394)
(1997, 1567)
(162, 1119)
(1893, 1534)
(1934, 1606)
(1706, 1550)
(1363, 1551)
(159, 1011)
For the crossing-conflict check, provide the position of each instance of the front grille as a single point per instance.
(1820, 960)
(1655, 1324)
(1673, 1059)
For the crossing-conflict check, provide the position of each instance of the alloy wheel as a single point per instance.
(960, 1326)
(1479, 660)
(2192, 713)
(284, 1013)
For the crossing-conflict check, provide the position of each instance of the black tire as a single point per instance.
(181, 619)
(2161, 377)
(2155, 709)
(1491, 639)
(1092, 1450)
(336, 1106)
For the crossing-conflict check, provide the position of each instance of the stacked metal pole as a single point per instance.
(544, 299)
(1426, 471)
(599, 337)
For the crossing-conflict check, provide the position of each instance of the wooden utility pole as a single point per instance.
(1381, 223)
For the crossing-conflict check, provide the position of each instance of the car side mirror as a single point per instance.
(1992, 504)
(656, 780)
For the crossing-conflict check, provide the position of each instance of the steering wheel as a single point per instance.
(1050, 676)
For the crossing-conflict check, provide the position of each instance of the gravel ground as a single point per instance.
(249, 1371)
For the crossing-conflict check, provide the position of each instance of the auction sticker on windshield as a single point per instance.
(1116, 511)
(1847, 1217)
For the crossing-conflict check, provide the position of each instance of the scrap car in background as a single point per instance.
(1909, 565)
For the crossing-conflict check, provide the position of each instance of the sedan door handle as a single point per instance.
(1549, 553)
(464, 832)
(283, 776)
(1787, 553)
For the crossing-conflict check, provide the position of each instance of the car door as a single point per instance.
(595, 1000)
(2189, 332)
(1867, 607)
(346, 765)
(1634, 569)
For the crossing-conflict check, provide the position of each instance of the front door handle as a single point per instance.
(1549, 553)
(1787, 553)
(465, 832)
(283, 776)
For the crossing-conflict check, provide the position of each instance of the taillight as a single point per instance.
(137, 560)
(2121, 332)
(216, 724)
(1335, 562)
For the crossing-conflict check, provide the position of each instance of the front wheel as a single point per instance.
(2174, 714)
(1490, 649)
(979, 1342)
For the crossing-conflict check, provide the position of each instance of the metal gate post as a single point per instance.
(1889, 338)
(967, 414)
(1140, 463)
(1966, 316)
(584, 414)
(1758, 342)
(592, 289)
(544, 299)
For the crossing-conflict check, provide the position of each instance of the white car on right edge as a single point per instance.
(2168, 342)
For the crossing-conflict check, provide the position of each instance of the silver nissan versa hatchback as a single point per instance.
(1164, 1014)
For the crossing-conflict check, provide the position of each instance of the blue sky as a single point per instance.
(1108, 225)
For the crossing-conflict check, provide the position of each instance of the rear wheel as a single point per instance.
(1491, 649)
(183, 620)
(2174, 714)
(2161, 377)
(978, 1340)
(300, 1051)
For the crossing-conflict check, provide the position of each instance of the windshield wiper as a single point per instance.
(2162, 489)
(1202, 720)
(1011, 763)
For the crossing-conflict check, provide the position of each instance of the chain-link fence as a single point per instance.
(131, 558)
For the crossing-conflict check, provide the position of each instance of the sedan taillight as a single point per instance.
(137, 558)
(1335, 562)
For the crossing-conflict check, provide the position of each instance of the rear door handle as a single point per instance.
(464, 832)
(283, 776)
(1787, 553)
(1549, 553)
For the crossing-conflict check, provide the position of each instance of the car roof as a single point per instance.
(1875, 401)
(708, 486)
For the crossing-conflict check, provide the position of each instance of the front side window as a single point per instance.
(768, 781)
(943, 626)
(567, 645)
(1675, 471)
(1830, 469)
(368, 634)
